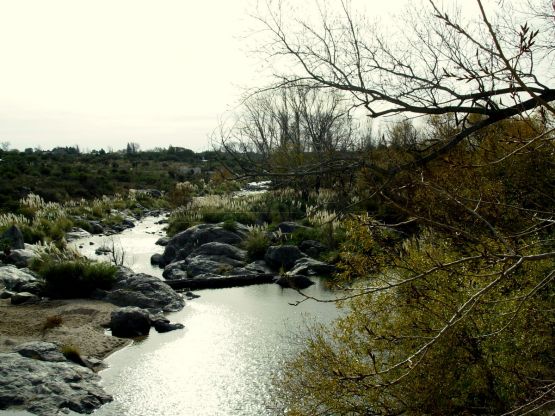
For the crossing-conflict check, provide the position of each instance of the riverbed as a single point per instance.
(234, 342)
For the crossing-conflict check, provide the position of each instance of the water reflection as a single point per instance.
(222, 363)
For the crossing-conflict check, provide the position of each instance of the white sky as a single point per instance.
(101, 73)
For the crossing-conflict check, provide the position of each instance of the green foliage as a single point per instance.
(68, 278)
(72, 353)
(256, 244)
(407, 345)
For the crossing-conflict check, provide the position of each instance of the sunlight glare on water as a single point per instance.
(222, 363)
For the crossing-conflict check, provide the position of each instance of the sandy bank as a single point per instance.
(82, 325)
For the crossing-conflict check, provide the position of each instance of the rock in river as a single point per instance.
(182, 244)
(130, 322)
(144, 291)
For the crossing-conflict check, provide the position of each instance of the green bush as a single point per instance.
(256, 244)
(75, 278)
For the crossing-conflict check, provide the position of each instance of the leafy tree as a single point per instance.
(450, 308)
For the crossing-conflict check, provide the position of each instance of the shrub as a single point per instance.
(256, 244)
(67, 279)
(52, 321)
(72, 353)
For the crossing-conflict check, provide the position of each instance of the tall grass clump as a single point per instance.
(257, 242)
(68, 275)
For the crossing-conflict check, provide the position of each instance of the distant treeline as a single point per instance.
(65, 173)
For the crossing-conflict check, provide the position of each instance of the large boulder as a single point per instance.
(15, 279)
(144, 291)
(282, 256)
(181, 245)
(13, 238)
(130, 322)
(310, 267)
(47, 387)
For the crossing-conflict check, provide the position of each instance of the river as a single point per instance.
(234, 342)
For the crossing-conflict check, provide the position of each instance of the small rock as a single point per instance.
(191, 295)
(166, 326)
(6, 294)
(23, 297)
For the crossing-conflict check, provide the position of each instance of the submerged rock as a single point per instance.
(45, 387)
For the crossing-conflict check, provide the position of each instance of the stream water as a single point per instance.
(234, 342)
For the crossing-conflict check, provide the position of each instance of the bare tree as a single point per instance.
(481, 71)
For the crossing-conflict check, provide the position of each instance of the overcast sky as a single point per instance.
(101, 73)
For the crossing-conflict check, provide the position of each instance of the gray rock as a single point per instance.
(163, 241)
(21, 257)
(45, 387)
(182, 244)
(23, 297)
(13, 237)
(294, 282)
(14, 279)
(282, 256)
(76, 234)
(312, 247)
(199, 265)
(144, 291)
(161, 326)
(175, 270)
(38, 350)
(290, 226)
(254, 268)
(310, 267)
(191, 295)
(220, 250)
(96, 227)
(6, 294)
(130, 322)
(156, 259)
